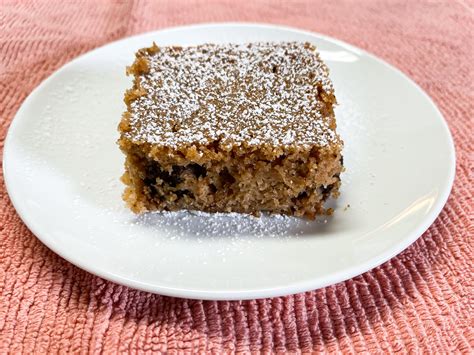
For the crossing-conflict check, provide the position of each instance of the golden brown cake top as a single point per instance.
(252, 94)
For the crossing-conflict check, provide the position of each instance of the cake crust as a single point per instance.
(234, 127)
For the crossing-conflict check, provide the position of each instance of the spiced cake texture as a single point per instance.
(231, 128)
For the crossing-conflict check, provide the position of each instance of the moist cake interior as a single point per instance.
(243, 128)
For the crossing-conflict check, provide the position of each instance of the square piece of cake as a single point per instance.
(231, 128)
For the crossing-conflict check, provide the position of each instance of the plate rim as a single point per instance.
(293, 288)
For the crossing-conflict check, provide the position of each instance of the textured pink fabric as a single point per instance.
(418, 301)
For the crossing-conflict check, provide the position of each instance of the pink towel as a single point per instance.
(418, 301)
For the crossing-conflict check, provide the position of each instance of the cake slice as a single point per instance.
(231, 128)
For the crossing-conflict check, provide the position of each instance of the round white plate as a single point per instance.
(62, 169)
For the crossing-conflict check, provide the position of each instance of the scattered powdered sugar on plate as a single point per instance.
(201, 225)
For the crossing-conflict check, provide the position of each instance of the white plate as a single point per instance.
(62, 167)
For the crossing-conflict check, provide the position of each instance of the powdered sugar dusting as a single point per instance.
(232, 226)
(233, 93)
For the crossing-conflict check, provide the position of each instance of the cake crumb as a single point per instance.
(231, 128)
